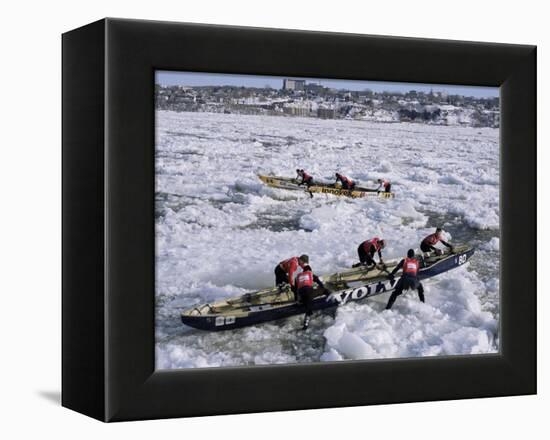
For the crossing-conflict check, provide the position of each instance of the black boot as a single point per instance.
(393, 296)
(306, 322)
(421, 293)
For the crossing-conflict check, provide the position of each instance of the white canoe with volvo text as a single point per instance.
(351, 285)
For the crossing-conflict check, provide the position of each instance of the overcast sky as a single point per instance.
(190, 79)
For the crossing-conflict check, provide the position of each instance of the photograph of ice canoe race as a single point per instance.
(303, 221)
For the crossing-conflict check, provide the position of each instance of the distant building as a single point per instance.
(293, 84)
(315, 88)
(302, 100)
(296, 111)
(297, 108)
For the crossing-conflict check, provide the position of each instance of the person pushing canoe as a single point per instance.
(285, 270)
(429, 242)
(366, 251)
(383, 186)
(409, 278)
(305, 293)
(307, 179)
(346, 182)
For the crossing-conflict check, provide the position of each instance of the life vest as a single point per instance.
(372, 242)
(304, 279)
(291, 263)
(385, 183)
(346, 180)
(432, 239)
(305, 176)
(410, 266)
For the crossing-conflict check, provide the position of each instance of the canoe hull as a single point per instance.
(228, 320)
(321, 188)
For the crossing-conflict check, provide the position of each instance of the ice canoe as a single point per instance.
(319, 187)
(349, 285)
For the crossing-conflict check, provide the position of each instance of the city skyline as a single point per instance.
(198, 79)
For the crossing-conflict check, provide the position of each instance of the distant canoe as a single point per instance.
(325, 188)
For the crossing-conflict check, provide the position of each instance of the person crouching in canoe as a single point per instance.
(366, 251)
(429, 242)
(409, 278)
(306, 178)
(285, 270)
(305, 293)
(383, 186)
(346, 182)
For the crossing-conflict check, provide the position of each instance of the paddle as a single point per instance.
(390, 276)
(384, 269)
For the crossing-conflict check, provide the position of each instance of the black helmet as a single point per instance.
(304, 258)
(438, 229)
(410, 253)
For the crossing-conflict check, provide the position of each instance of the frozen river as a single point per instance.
(220, 232)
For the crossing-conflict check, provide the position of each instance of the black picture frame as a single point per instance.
(108, 219)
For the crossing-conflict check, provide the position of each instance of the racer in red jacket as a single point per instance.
(346, 182)
(305, 292)
(384, 185)
(285, 270)
(307, 179)
(409, 278)
(429, 242)
(367, 249)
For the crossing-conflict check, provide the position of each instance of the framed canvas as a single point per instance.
(166, 127)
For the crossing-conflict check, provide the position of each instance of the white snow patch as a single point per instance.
(451, 322)
(492, 245)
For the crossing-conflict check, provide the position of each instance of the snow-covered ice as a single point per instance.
(220, 232)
